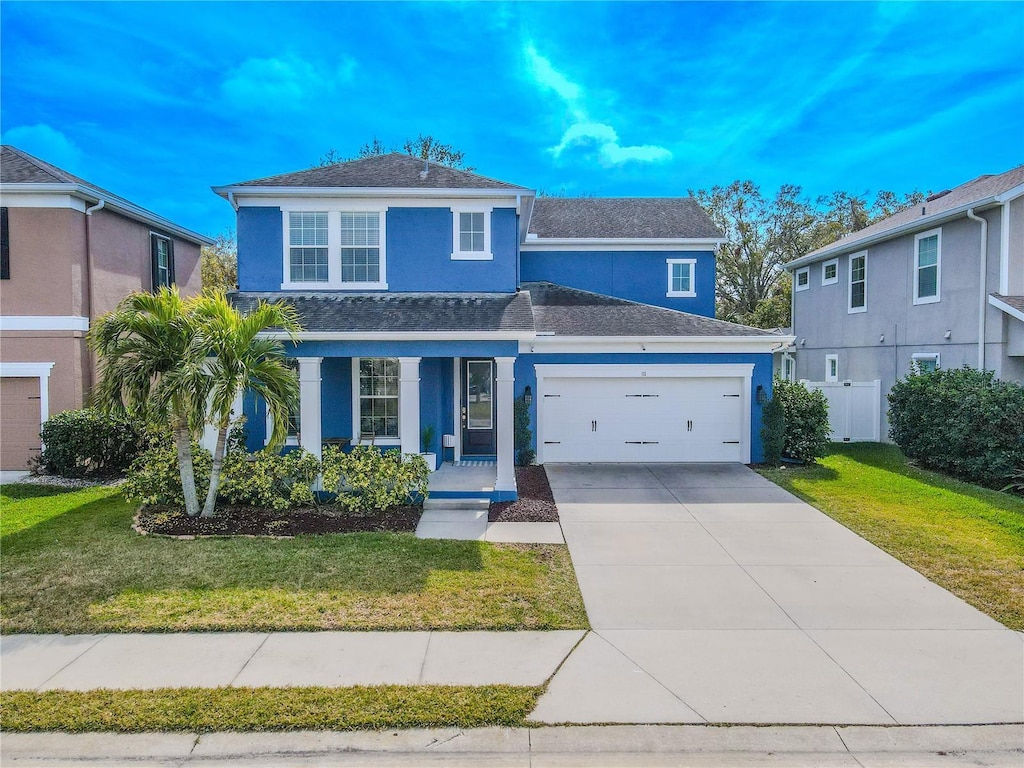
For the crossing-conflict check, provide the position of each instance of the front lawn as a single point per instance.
(71, 563)
(967, 539)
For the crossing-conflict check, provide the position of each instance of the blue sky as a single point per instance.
(159, 101)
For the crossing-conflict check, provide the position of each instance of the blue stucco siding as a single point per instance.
(634, 275)
(526, 375)
(260, 249)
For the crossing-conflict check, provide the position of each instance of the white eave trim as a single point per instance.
(656, 344)
(620, 243)
(924, 222)
(1007, 308)
(402, 335)
(112, 202)
(1011, 194)
(374, 192)
(43, 323)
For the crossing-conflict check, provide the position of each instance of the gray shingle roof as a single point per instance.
(1017, 302)
(976, 190)
(621, 217)
(572, 312)
(398, 312)
(392, 170)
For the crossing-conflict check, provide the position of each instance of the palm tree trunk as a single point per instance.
(183, 443)
(215, 471)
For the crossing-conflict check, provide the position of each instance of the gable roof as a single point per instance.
(982, 191)
(19, 169)
(391, 171)
(620, 218)
(564, 311)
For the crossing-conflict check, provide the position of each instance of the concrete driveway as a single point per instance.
(715, 596)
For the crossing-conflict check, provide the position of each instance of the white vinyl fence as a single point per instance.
(854, 409)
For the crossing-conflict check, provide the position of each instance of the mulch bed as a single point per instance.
(536, 503)
(252, 521)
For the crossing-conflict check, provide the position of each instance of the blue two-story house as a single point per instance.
(434, 296)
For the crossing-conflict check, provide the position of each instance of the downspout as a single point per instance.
(90, 296)
(983, 288)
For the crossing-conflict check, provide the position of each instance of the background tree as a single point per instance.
(426, 147)
(219, 263)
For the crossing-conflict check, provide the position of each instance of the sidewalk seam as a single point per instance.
(251, 657)
(426, 650)
(99, 640)
(846, 746)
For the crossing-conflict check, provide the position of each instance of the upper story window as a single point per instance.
(927, 266)
(307, 252)
(162, 249)
(859, 282)
(830, 272)
(5, 247)
(360, 247)
(471, 235)
(802, 279)
(681, 277)
(334, 249)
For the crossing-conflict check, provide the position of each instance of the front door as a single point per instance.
(478, 412)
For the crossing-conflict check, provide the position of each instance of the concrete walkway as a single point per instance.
(716, 596)
(595, 746)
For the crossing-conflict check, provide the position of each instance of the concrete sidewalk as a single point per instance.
(211, 659)
(593, 746)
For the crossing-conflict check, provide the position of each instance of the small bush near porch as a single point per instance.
(72, 563)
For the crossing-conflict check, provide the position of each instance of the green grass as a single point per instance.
(267, 709)
(71, 563)
(967, 539)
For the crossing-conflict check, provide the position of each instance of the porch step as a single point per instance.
(472, 503)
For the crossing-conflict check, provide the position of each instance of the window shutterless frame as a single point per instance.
(802, 279)
(831, 368)
(682, 278)
(830, 272)
(858, 294)
(924, 362)
(361, 260)
(471, 233)
(928, 267)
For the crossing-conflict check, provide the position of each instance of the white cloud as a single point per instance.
(47, 144)
(585, 132)
(283, 83)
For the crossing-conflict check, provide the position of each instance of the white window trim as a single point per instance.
(825, 280)
(796, 279)
(693, 278)
(290, 440)
(333, 282)
(849, 293)
(829, 376)
(380, 441)
(922, 356)
(788, 359)
(459, 255)
(937, 233)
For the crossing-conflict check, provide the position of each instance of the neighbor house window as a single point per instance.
(830, 272)
(681, 276)
(360, 247)
(471, 238)
(927, 265)
(788, 368)
(858, 282)
(378, 397)
(163, 261)
(802, 279)
(924, 362)
(831, 367)
(307, 247)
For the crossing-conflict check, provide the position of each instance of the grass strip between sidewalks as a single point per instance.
(267, 709)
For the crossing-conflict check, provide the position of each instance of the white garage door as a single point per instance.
(633, 419)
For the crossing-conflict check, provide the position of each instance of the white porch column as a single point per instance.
(506, 480)
(309, 404)
(409, 404)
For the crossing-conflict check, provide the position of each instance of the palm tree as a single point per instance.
(242, 360)
(151, 361)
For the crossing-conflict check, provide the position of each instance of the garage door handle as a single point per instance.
(689, 425)
(730, 395)
(730, 442)
(649, 442)
(552, 442)
(552, 395)
(634, 442)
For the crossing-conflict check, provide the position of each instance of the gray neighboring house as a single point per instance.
(937, 285)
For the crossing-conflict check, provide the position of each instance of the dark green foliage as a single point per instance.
(368, 479)
(154, 477)
(88, 443)
(806, 420)
(269, 479)
(773, 431)
(962, 422)
(522, 435)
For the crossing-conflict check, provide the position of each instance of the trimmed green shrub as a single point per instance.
(960, 421)
(154, 477)
(522, 435)
(773, 431)
(806, 420)
(267, 479)
(367, 479)
(89, 443)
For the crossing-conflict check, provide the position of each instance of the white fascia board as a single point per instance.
(25, 370)
(1007, 308)
(364, 203)
(925, 222)
(386, 192)
(655, 344)
(401, 336)
(43, 323)
(656, 370)
(1011, 194)
(113, 202)
(620, 244)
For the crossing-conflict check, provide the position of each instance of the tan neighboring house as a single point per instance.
(69, 252)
